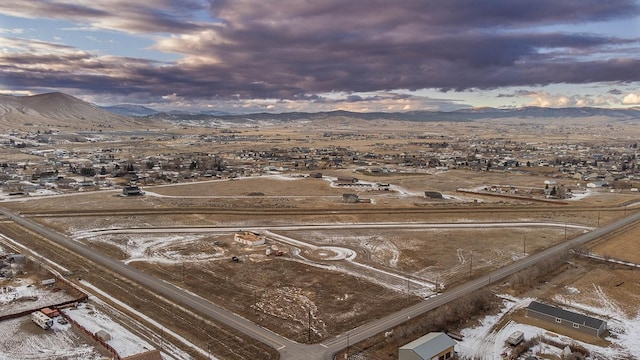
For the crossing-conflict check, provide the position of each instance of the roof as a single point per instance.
(565, 315)
(430, 345)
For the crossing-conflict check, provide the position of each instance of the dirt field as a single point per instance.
(279, 292)
(622, 247)
(386, 270)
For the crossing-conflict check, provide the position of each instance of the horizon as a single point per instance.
(223, 113)
(249, 56)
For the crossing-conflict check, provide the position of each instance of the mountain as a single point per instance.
(130, 110)
(470, 114)
(62, 111)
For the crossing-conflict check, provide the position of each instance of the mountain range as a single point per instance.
(65, 111)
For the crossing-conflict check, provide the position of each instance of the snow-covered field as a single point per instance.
(19, 295)
(94, 320)
(486, 342)
(23, 339)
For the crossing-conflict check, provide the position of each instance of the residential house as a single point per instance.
(565, 318)
(249, 238)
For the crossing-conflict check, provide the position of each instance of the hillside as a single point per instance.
(130, 110)
(61, 111)
(526, 113)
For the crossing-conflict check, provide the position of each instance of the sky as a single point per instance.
(245, 56)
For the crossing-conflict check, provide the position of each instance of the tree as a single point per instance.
(87, 171)
(103, 170)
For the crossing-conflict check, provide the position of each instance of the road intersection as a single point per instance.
(326, 350)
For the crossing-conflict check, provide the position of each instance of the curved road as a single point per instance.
(325, 350)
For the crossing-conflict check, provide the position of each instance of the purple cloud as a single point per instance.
(293, 50)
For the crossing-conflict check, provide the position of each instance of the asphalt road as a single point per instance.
(325, 350)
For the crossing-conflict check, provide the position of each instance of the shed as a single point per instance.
(50, 312)
(103, 335)
(434, 345)
(555, 315)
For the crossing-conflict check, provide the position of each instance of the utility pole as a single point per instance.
(408, 291)
(598, 218)
(524, 244)
(309, 339)
(471, 264)
(347, 354)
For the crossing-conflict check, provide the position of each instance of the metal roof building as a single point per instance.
(434, 345)
(569, 319)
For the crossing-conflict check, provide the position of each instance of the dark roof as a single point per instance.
(565, 315)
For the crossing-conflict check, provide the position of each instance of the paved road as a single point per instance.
(365, 331)
(325, 350)
(166, 290)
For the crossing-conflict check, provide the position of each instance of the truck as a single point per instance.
(41, 320)
(515, 338)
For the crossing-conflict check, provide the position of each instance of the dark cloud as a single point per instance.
(615, 92)
(291, 49)
(152, 17)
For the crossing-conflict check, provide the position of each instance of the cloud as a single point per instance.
(157, 16)
(631, 99)
(345, 46)
(11, 31)
(288, 49)
(546, 99)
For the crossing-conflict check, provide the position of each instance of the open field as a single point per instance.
(622, 247)
(396, 267)
(330, 280)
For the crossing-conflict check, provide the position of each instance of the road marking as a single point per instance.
(281, 347)
(324, 346)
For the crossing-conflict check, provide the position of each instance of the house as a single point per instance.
(597, 184)
(565, 318)
(346, 180)
(249, 238)
(131, 190)
(434, 345)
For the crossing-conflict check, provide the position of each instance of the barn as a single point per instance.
(434, 345)
(565, 318)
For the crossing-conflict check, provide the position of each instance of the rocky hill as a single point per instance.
(61, 111)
